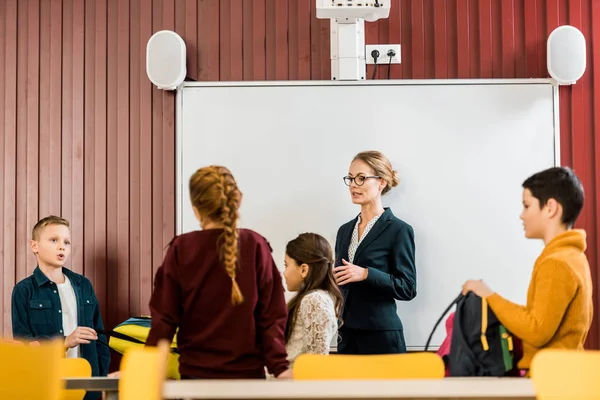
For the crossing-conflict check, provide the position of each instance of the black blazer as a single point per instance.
(388, 251)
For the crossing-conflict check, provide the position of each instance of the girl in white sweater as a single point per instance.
(314, 312)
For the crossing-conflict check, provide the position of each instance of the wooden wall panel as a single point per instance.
(85, 135)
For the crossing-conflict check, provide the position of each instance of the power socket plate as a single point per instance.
(383, 50)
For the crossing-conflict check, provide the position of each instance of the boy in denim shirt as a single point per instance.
(55, 301)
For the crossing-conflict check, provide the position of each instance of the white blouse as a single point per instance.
(315, 326)
(355, 241)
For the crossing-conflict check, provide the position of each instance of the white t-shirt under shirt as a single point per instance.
(68, 303)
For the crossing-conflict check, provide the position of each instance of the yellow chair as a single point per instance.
(143, 370)
(368, 367)
(74, 368)
(566, 374)
(30, 372)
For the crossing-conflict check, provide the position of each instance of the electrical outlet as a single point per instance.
(383, 56)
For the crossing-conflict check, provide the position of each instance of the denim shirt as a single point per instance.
(37, 314)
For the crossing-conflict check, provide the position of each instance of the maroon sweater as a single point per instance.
(192, 292)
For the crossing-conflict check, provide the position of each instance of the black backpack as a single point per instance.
(480, 344)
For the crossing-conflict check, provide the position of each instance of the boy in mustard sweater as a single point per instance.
(559, 308)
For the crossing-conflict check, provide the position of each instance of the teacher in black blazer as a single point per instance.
(375, 262)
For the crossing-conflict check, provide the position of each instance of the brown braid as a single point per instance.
(229, 217)
(214, 193)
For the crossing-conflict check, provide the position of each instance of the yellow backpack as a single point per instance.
(134, 332)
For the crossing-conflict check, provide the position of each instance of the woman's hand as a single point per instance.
(478, 287)
(349, 273)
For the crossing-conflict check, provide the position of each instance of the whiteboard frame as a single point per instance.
(179, 193)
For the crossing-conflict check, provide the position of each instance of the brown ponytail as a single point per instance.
(214, 193)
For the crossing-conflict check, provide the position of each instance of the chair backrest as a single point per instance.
(30, 372)
(368, 367)
(143, 371)
(74, 368)
(566, 374)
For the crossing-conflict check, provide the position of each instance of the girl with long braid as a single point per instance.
(220, 289)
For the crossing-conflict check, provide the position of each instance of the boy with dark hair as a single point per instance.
(57, 302)
(559, 308)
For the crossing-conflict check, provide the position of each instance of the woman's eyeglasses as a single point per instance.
(358, 180)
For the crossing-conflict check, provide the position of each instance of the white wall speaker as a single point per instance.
(165, 60)
(566, 54)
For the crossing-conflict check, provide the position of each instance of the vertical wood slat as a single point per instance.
(294, 37)
(543, 9)
(146, 203)
(32, 135)
(157, 153)
(55, 119)
(452, 37)
(180, 11)
(77, 227)
(9, 156)
(508, 37)
(302, 13)
(3, 156)
(68, 156)
(496, 20)
(418, 43)
(47, 186)
(428, 40)
(225, 39)
(235, 23)
(463, 46)
(208, 41)
(191, 37)
(320, 67)
(89, 91)
(440, 34)
(486, 69)
(135, 167)
(253, 46)
(123, 151)
(166, 134)
(474, 35)
(531, 37)
(112, 171)
(100, 164)
(20, 157)
(276, 39)
(520, 51)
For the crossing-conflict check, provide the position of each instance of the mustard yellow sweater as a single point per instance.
(559, 306)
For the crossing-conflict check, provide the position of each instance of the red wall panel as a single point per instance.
(84, 134)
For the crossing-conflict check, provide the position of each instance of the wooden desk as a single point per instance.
(445, 389)
(450, 388)
(110, 386)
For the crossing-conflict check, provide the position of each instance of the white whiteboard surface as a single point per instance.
(462, 149)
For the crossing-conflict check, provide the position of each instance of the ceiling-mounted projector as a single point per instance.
(342, 9)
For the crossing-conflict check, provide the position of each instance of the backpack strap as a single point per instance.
(127, 338)
(455, 301)
(484, 324)
(119, 335)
